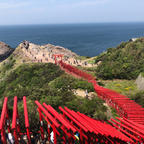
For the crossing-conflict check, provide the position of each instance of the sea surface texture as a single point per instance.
(84, 39)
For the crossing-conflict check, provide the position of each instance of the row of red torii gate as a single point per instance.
(70, 127)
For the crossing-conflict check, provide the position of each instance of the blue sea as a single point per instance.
(84, 39)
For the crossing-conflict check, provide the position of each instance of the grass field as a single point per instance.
(125, 87)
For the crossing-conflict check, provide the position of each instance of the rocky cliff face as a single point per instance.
(48, 48)
(5, 51)
(28, 52)
(140, 82)
(41, 53)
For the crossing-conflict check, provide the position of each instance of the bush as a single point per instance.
(139, 98)
(30, 80)
(69, 82)
(82, 84)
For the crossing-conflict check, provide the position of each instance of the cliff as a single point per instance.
(5, 51)
(41, 53)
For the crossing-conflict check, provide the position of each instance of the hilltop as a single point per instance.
(30, 52)
(126, 61)
(27, 52)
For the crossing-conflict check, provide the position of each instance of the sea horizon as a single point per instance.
(74, 23)
(88, 39)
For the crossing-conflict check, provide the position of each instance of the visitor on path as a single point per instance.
(52, 137)
(86, 94)
(77, 138)
(10, 138)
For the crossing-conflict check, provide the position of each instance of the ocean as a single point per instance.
(83, 39)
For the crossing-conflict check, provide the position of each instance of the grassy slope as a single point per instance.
(125, 87)
(124, 62)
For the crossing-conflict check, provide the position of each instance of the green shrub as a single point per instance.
(69, 82)
(30, 80)
(139, 98)
(82, 84)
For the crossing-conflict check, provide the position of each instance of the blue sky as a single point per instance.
(70, 11)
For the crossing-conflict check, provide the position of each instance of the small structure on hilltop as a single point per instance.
(133, 39)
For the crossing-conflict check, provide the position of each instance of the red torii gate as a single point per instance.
(15, 121)
(14, 131)
(68, 123)
(4, 121)
(57, 56)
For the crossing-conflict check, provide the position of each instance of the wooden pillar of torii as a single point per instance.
(57, 56)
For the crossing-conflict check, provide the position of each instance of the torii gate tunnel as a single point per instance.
(68, 126)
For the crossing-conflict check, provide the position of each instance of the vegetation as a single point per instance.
(82, 57)
(72, 83)
(139, 98)
(48, 83)
(7, 65)
(30, 80)
(124, 62)
(125, 87)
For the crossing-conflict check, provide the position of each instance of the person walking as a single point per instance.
(86, 94)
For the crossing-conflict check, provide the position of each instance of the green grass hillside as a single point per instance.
(47, 83)
(124, 62)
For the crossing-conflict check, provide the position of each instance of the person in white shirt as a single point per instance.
(52, 137)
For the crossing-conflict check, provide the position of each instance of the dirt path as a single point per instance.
(82, 93)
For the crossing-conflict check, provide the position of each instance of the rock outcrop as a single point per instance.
(48, 48)
(42, 53)
(28, 52)
(140, 82)
(5, 51)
